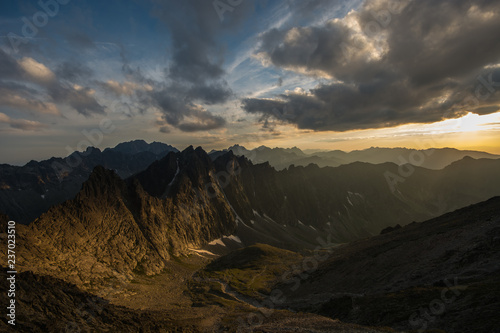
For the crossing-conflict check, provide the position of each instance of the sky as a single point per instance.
(314, 74)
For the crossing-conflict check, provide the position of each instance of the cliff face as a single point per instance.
(115, 228)
(353, 201)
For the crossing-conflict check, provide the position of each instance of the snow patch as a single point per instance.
(202, 251)
(313, 228)
(176, 173)
(255, 212)
(300, 222)
(217, 242)
(173, 179)
(234, 238)
(43, 196)
(238, 219)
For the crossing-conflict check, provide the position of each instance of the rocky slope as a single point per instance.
(46, 304)
(352, 201)
(114, 228)
(440, 274)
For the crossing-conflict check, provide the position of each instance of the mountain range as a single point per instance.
(282, 158)
(192, 241)
(185, 201)
(28, 191)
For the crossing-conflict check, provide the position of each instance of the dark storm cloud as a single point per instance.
(195, 28)
(205, 121)
(422, 65)
(443, 38)
(183, 114)
(211, 94)
(195, 73)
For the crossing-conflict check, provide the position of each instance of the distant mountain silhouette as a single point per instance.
(282, 158)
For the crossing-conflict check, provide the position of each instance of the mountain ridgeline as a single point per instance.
(282, 158)
(30, 190)
(118, 227)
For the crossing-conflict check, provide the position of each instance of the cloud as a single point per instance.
(126, 88)
(35, 70)
(188, 117)
(24, 69)
(165, 129)
(387, 66)
(194, 77)
(203, 120)
(79, 98)
(26, 99)
(21, 124)
(195, 73)
(79, 40)
(19, 102)
(9, 67)
(73, 71)
(50, 89)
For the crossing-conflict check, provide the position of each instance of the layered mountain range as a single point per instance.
(28, 191)
(282, 158)
(153, 231)
(185, 201)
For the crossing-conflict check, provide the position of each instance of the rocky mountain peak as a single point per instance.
(101, 182)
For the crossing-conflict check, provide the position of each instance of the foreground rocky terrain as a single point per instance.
(440, 274)
(169, 302)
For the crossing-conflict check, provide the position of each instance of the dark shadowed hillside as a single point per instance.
(447, 267)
